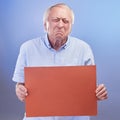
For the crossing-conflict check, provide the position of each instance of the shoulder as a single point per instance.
(78, 42)
(31, 44)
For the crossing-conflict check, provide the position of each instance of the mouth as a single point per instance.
(59, 33)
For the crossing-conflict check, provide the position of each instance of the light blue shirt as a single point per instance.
(38, 52)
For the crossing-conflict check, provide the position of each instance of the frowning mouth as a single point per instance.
(59, 33)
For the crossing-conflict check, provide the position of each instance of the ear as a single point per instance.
(46, 26)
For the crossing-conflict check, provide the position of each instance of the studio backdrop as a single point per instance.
(96, 21)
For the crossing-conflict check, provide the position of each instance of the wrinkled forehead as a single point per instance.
(60, 11)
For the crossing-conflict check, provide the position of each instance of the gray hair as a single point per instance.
(46, 14)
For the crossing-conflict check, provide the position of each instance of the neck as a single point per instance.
(57, 43)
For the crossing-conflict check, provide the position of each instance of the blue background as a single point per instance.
(96, 21)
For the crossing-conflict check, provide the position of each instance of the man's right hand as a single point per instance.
(21, 91)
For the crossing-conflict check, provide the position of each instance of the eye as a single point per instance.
(65, 20)
(55, 19)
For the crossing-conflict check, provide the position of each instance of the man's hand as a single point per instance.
(101, 92)
(21, 91)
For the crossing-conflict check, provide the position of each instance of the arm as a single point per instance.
(101, 92)
(21, 91)
(18, 76)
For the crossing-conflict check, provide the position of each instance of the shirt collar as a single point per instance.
(47, 43)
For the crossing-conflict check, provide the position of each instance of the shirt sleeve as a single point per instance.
(18, 75)
(89, 57)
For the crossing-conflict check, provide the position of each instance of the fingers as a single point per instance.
(101, 92)
(21, 91)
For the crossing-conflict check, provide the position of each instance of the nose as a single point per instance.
(60, 23)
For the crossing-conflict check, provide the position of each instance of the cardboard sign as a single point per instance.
(60, 91)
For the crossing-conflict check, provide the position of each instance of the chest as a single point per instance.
(54, 58)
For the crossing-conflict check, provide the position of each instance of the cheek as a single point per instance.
(50, 27)
(68, 29)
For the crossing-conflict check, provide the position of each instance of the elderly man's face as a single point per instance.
(58, 25)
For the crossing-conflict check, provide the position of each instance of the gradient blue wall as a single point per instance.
(96, 21)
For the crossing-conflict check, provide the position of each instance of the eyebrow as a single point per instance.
(59, 18)
(65, 20)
